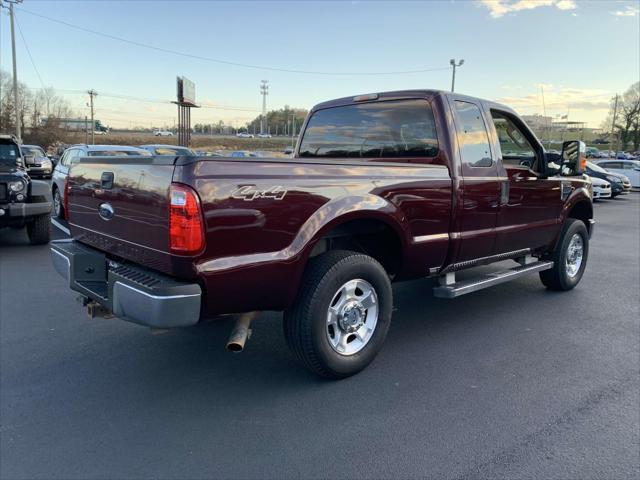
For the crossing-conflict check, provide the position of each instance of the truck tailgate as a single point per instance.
(121, 205)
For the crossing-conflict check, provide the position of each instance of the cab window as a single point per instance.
(390, 129)
(472, 135)
(516, 149)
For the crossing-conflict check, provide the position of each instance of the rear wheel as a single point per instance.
(570, 257)
(342, 314)
(38, 230)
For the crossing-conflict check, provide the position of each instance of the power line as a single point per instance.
(225, 62)
(26, 46)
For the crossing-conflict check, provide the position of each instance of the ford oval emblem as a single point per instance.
(105, 210)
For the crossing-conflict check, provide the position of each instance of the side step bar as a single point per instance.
(451, 289)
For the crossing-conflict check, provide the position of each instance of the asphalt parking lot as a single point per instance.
(511, 382)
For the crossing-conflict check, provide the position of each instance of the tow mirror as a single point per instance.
(574, 157)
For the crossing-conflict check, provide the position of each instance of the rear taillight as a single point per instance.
(186, 230)
(65, 200)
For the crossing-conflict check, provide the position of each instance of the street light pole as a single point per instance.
(452, 62)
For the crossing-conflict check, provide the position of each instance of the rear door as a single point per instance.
(477, 215)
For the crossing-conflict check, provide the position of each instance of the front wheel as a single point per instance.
(38, 230)
(341, 316)
(570, 257)
(58, 209)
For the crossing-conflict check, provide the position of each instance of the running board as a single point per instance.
(451, 289)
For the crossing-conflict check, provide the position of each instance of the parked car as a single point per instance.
(428, 192)
(601, 188)
(244, 135)
(264, 135)
(100, 132)
(37, 162)
(157, 149)
(628, 168)
(24, 203)
(163, 133)
(592, 152)
(71, 156)
(244, 154)
(619, 183)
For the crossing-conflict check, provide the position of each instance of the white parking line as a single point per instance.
(60, 226)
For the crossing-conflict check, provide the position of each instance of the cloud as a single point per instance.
(629, 11)
(498, 8)
(589, 104)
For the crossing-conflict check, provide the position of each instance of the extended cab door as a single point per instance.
(480, 185)
(529, 213)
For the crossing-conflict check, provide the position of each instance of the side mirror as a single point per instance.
(574, 158)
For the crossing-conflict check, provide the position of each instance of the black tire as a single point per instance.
(558, 277)
(305, 323)
(58, 208)
(38, 230)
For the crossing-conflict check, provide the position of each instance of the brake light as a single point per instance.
(186, 230)
(65, 200)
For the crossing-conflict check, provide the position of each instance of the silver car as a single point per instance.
(36, 161)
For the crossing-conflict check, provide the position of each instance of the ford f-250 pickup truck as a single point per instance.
(382, 187)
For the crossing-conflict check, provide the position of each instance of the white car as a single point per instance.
(601, 188)
(628, 168)
(244, 135)
(264, 135)
(163, 133)
(99, 132)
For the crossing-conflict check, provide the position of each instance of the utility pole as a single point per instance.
(293, 128)
(452, 62)
(264, 91)
(92, 93)
(15, 71)
(613, 124)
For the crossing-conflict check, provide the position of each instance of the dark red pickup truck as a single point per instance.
(381, 188)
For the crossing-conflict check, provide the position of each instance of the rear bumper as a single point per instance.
(132, 293)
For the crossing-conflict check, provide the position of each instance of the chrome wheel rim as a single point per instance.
(352, 317)
(56, 203)
(575, 254)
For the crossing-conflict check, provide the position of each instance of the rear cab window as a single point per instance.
(394, 129)
(473, 138)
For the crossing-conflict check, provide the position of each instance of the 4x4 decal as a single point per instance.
(250, 192)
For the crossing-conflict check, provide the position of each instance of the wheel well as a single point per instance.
(582, 211)
(371, 237)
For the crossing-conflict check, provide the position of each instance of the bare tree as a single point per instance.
(627, 122)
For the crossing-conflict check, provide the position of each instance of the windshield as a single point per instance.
(118, 153)
(8, 154)
(35, 151)
(596, 168)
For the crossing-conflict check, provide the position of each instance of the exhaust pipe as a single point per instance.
(241, 332)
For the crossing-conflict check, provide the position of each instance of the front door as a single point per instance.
(528, 216)
(480, 184)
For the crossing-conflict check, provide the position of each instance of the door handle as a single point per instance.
(504, 193)
(106, 180)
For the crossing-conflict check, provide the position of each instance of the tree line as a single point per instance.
(278, 122)
(626, 127)
(35, 105)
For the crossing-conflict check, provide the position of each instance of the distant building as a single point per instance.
(537, 122)
(76, 124)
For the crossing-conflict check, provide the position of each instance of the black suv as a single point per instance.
(23, 202)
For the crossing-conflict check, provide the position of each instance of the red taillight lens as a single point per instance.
(186, 231)
(65, 200)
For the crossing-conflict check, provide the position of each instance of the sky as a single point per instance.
(579, 53)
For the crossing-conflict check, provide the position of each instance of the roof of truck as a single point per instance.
(399, 95)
